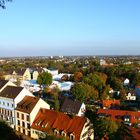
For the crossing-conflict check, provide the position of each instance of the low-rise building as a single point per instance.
(61, 125)
(26, 112)
(4, 83)
(131, 95)
(73, 107)
(110, 103)
(127, 117)
(10, 96)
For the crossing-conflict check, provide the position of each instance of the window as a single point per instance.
(19, 129)
(28, 125)
(23, 124)
(22, 116)
(10, 113)
(3, 103)
(71, 137)
(56, 132)
(7, 104)
(17, 115)
(12, 105)
(63, 134)
(23, 131)
(29, 134)
(18, 122)
(27, 118)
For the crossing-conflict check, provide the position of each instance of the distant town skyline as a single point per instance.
(70, 27)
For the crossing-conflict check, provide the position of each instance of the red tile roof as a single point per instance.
(134, 116)
(59, 121)
(108, 103)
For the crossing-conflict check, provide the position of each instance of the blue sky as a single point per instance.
(70, 27)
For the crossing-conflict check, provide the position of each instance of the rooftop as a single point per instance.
(70, 106)
(27, 104)
(2, 83)
(59, 121)
(11, 92)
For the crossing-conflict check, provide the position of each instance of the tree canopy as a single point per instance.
(44, 78)
(7, 133)
(82, 91)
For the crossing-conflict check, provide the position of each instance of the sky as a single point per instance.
(70, 27)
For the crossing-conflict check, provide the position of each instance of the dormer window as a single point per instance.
(126, 118)
(71, 137)
(46, 125)
(39, 123)
(56, 132)
(63, 134)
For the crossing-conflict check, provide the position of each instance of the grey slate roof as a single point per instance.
(71, 107)
(2, 83)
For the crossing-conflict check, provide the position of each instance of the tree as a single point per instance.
(115, 83)
(96, 80)
(122, 94)
(7, 133)
(64, 78)
(2, 3)
(124, 133)
(77, 77)
(55, 93)
(105, 94)
(106, 126)
(51, 138)
(44, 78)
(82, 92)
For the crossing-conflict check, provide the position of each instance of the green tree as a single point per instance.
(105, 94)
(7, 133)
(51, 138)
(115, 83)
(107, 126)
(55, 93)
(97, 80)
(44, 78)
(124, 133)
(82, 92)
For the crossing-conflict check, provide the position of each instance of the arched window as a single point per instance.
(56, 132)
(63, 134)
(71, 137)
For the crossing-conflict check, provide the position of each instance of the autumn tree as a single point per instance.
(77, 77)
(122, 94)
(64, 78)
